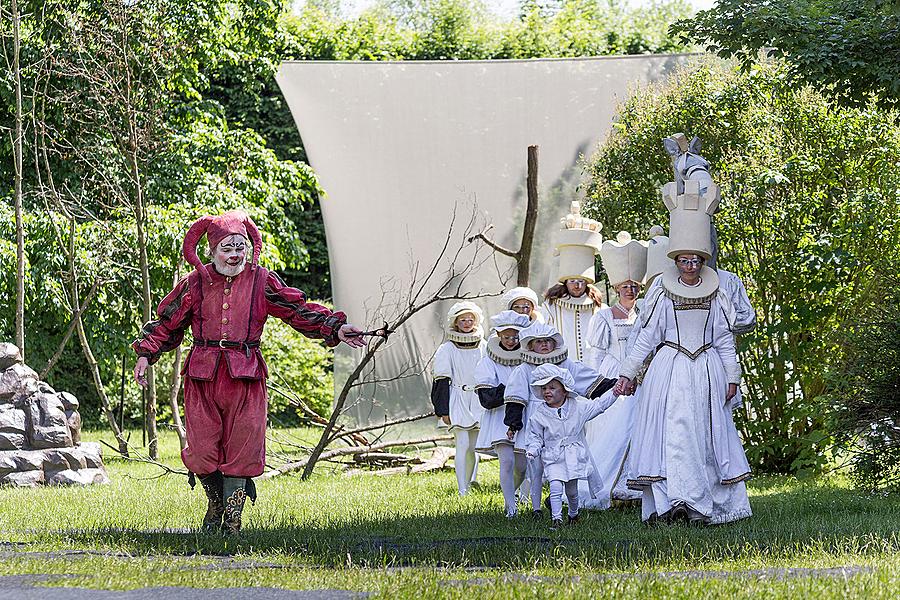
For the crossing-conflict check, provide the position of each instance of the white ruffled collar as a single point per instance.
(556, 357)
(575, 303)
(684, 294)
(473, 338)
(502, 356)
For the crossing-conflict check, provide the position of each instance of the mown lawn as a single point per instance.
(414, 537)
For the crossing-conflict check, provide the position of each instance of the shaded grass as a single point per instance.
(413, 536)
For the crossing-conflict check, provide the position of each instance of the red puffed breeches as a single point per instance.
(225, 422)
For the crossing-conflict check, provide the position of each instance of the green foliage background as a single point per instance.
(218, 135)
(810, 196)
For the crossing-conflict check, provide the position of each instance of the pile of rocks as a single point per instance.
(40, 431)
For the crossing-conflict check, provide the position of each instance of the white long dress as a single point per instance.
(556, 435)
(685, 448)
(572, 318)
(609, 435)
(492, 371)
(457, 361)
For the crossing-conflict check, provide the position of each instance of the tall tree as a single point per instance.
(847, 49)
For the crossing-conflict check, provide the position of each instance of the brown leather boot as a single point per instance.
(235, 496)
(215, 503)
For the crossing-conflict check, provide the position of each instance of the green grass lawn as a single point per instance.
(413, 536)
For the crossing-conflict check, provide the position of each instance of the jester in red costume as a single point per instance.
(226, 306)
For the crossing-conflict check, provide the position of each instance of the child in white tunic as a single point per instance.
(501, 358)
(542, 344)
(556, 437)
(523, 300)
(453, 391)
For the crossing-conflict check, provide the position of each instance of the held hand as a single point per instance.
(623, 387)
(446, 420)
(350, 335)
(510, 434)
(531, 455)
(140, 371)
(732, 391)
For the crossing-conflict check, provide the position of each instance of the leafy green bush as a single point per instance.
(298, 365)
(810, 193)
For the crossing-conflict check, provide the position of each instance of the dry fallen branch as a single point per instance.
(296, 466)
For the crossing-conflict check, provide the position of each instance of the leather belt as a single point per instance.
(245, 346)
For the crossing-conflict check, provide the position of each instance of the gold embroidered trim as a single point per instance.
(695, 306)
(642, 482)
(686, 352)
(577, 304)
(738, 479)
(679, 299)
(458, 337)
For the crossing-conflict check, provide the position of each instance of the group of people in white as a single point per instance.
(616, 404)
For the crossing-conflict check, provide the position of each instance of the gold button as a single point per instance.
(225, 321)
(227, 291)
(225, 306)
(224, 335)
(229, 279)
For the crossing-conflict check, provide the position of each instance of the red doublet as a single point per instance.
(225, 397)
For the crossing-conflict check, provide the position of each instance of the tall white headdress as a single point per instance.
(657, 253)
(578, 241)
(624, 259)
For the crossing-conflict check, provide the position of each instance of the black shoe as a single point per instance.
(215, 506)
(678, 513)
(537, 515)
(573, 520)
(555, 524)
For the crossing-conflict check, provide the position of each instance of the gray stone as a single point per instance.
(46, 425)
(61, 459)
(12, 420)
(73, 420)
(24, 478)
(21, 460)
(9, 355)
(14, 382)
(92, 454)
(12, 441)
(69, 401)
(79, 477)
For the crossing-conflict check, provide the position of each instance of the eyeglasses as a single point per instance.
(576, 282)
(629, 286)
(521, 307)
(690, 262)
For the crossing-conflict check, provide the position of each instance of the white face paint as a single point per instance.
(230, 256)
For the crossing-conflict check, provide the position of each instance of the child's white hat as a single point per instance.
(520, 293)
(509, 319)
(538, 330)
(546, 373)
(461, 308)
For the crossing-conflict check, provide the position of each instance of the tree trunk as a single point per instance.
(86, 348)
(17, 158)
(140, 216)
(175, 386)
(531, 214)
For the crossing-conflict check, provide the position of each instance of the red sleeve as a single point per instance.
(312, 320)
(167, 332)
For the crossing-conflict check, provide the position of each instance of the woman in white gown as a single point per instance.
(609, 435)
(687, 457)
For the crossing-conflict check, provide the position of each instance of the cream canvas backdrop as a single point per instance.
(398, 146)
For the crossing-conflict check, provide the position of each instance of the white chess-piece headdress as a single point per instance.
(578, 242)
(520, 293)
(689, 233)
(624, 259)
(657, 253)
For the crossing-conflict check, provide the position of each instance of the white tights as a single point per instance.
(512, 473)
(556, 494)
(466, 460)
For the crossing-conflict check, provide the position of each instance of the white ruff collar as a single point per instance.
(579, 303)
(458, 337)
(678, 292)
(502, 356)
(555, 357)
